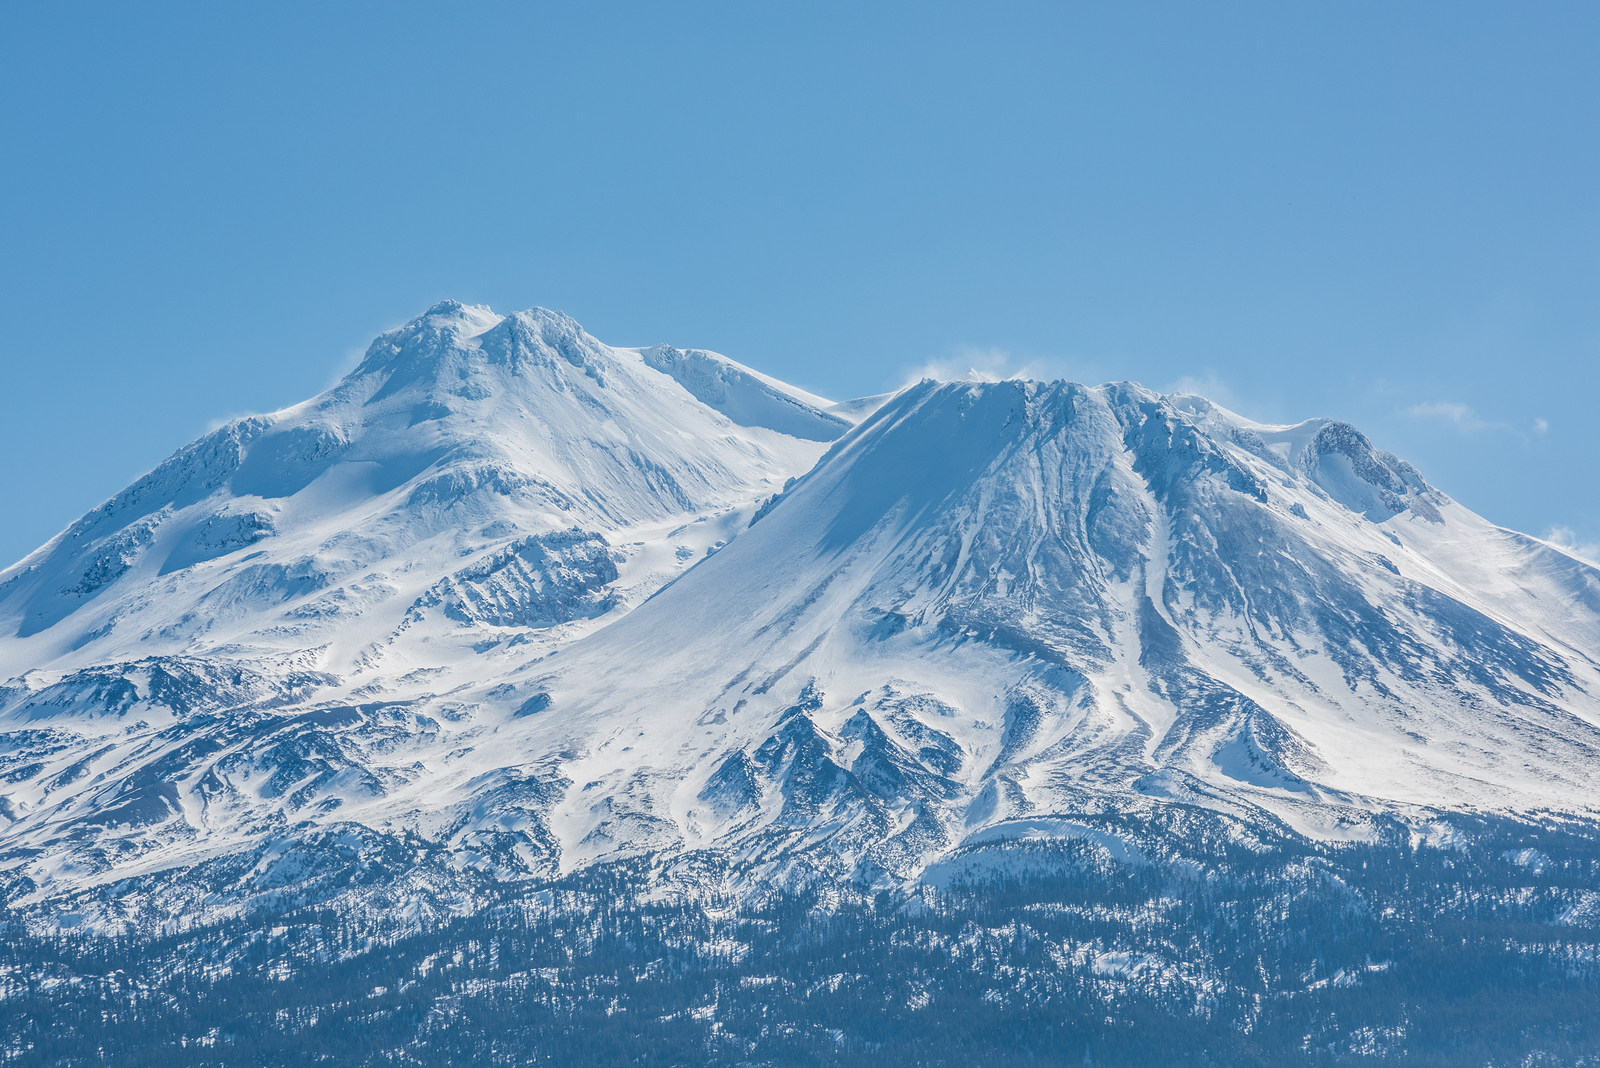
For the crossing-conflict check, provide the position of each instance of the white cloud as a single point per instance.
(1540, 426)
(1210, 387)
(1460, 416)
(1567, 538)
(986, 365)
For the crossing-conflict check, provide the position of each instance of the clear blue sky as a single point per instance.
(1385, 212)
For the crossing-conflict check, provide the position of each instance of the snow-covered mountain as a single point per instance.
(505, 471)
(507, 602)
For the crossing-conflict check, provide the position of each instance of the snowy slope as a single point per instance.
(507, 602)
(321, 529)
(998, 603)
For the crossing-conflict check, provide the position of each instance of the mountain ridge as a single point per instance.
(547, 604)
(338, 460)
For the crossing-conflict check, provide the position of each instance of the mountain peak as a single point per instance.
(453, 309)
(425, 337)
(461, 430)
(985, 599)
(450, 347)
(451, 315)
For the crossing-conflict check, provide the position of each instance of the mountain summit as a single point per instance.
(319, 526)
(507, 603)
(994, 605)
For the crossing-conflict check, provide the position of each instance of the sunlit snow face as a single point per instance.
(554, 603)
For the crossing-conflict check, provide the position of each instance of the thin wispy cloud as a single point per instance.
(973, 364)
(1467, 421)
(1568, 539)
(1460, 416)
(989, 365)
(1210, 387)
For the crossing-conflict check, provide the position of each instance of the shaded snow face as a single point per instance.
(748, 398)
(543, 603)
(537, 581)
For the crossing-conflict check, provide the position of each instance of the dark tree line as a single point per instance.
(1233, 953)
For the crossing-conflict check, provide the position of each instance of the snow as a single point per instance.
(748, 397)
(547, 602)
(457, 434)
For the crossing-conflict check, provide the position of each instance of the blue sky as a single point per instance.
(1383, 212)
